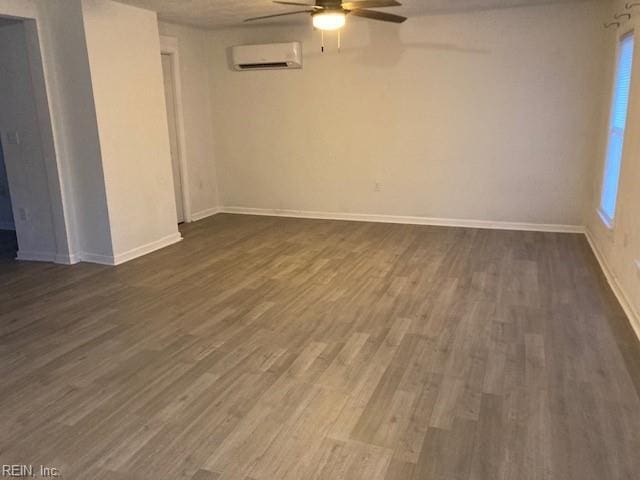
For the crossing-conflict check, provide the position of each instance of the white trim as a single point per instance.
(169, 46)
(64, 259)
(107, 260)
(627, 30)
(36, 256)
(205, 213)
(445, 222)
(96, 258)
(113, 260)
(604, 218)
(7, 226)
(146, 249)
(618, 291)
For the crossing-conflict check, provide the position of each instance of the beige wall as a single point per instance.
(123, 46)
(193, 50)
(619, 247)
(472, 116)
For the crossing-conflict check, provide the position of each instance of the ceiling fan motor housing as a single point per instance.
(329, 10)
(329, 6)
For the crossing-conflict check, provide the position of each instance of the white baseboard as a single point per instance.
(67, 259)
(120, 258)
(614, 283)
(96, 258)
(7, 226)
(112, 260)
(443, 222)
(36, 256)
(204, 213)
(146, 249)
(60, 258)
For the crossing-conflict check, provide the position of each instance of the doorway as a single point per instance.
(170, 92)
(29, 185)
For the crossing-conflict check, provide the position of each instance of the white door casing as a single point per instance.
(170, 97)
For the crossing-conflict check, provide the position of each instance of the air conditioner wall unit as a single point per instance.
(271, 56)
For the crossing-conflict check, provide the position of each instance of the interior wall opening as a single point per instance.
(170, 56)
(27, 229)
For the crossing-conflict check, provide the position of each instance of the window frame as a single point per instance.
(608, 222)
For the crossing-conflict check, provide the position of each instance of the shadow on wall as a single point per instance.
(6, 215)
(385, 47)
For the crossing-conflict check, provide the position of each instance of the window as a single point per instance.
(620, 103)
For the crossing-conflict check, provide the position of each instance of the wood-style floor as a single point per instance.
(267, 349)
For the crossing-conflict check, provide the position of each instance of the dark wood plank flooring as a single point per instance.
(264, 348)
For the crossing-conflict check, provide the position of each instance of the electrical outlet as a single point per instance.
(23, 215)
(377, 187)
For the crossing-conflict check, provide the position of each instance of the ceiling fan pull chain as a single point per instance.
(339, 41)
(322, 47)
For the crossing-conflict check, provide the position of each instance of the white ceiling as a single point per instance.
(226, 13)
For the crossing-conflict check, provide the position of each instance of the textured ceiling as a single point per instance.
(226, 13)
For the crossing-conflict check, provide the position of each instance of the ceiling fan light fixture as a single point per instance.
(329, 20)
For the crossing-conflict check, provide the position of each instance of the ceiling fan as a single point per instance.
(331, 14)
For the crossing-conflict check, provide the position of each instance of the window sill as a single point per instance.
(605, 220)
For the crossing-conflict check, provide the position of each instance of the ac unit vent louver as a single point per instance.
(270, 56)
(258, 66)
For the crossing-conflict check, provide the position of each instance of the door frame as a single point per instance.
(41, 67)
(169, 46)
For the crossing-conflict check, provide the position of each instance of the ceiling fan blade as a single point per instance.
(278, 15)
(296, 4)
(370, 4)
(382, 16)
